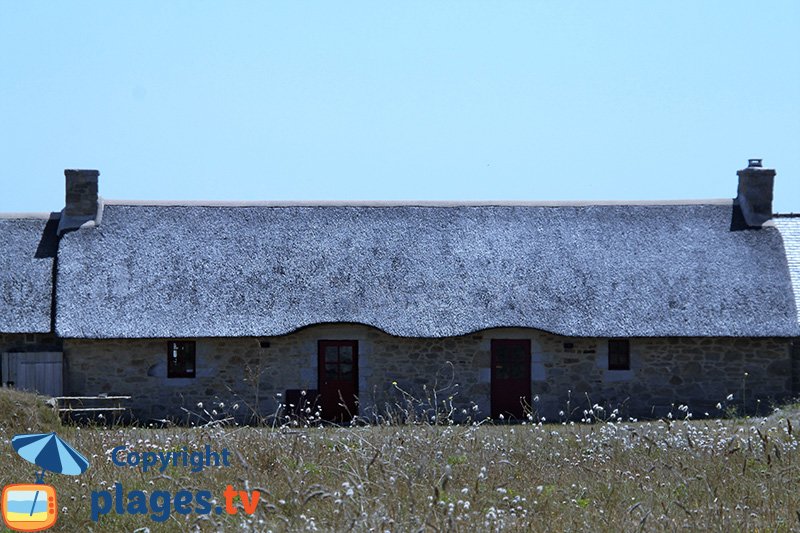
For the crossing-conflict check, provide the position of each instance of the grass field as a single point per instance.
(740, 474)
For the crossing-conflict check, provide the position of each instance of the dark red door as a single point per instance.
(338, 380)
(511, 378)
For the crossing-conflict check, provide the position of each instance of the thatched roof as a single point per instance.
(423, 270)
(27, 248)
(789, 226)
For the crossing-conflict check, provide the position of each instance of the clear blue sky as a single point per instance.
(404, 100)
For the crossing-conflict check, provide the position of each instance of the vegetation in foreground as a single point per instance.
(601, 475)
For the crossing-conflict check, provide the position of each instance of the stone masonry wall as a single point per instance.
(665, 373)
(29, 342)
(567, 374)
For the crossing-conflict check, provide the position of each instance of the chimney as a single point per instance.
(755, 193)
(81, 193)
(83, 207)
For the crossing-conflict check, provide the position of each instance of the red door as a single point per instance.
(511, 378)
(338, 380)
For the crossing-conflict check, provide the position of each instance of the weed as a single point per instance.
(422, 472)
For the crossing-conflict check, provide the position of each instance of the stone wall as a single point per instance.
(567, 374)
(665, 373)
(29, 342)
(241, 371)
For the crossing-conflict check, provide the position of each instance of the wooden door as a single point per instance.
(511, 378)
(338, 379)
(40, 372)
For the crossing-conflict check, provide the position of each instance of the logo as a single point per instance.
(160, 505)
(29, 507)
(33, 506)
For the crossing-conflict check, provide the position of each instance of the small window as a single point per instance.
(619, 354)
(180, 359)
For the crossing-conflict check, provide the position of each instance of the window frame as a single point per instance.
(619, 354)
(322, 344)
(178, 369)
(503, 373)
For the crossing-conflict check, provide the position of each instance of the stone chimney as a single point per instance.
(81, 193)
(83, 206)
(755, 193)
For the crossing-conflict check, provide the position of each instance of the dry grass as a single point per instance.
(715, 475)
(21, 412)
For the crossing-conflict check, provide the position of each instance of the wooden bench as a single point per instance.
(92, 407)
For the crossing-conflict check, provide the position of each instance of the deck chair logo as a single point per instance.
(33, 506)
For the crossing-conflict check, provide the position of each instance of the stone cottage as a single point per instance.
(488, 308)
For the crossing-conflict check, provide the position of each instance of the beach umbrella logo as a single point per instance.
(32, 506)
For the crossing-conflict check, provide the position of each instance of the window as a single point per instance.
(180, 359)
(619, 354)
(511, 359)
(338, 358)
